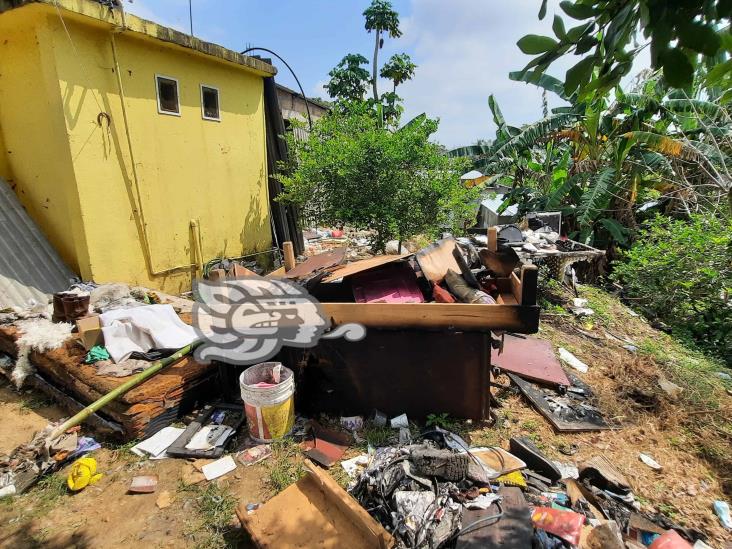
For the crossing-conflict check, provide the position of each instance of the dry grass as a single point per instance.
(690, 436)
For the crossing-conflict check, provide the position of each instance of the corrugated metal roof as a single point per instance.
(494, 203)
(30, 269)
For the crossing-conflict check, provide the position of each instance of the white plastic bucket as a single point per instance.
(270, 411)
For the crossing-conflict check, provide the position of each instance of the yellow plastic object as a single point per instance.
(513, 479)
(83, 473)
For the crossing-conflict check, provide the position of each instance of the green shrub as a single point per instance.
(353, 170)
(680, 271)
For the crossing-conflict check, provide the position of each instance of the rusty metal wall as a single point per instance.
(417, 372)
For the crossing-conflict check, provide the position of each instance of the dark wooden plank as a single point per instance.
(531, 358)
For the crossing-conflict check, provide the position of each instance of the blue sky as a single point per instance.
(464, 49)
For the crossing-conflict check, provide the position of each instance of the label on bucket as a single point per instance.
(271, 422)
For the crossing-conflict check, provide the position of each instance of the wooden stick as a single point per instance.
(289, 252)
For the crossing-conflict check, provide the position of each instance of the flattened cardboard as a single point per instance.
(314, 512)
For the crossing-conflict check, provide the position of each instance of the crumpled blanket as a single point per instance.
(143, 328)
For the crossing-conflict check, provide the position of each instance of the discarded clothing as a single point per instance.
(143, 328)
(96, 354)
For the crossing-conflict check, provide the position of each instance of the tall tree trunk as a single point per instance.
(373, 69)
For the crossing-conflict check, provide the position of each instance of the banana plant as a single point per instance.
(596, 159)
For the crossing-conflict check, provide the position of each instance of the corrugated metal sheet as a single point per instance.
(30, 269)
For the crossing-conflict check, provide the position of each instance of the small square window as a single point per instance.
(167, 89)
(210, 103)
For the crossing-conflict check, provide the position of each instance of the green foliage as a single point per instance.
(681, 272)
(380, 16)
(682, 36)
(352, 171)
(285, 466)
(348, 79)
(399, 68)
(595, 161)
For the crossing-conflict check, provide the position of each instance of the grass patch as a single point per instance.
(214, 507)
(33, 402)
(378, 436)
(285, 466)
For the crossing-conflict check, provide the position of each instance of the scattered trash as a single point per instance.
(156, 445)
(270, 408)
(325, 446)
(96, 354)
(671, 389)
(254, 455)
(724, 375)
(352, 423)
(565, 524)
(579, 302)
(144, 484)
(567, 470)
(83, 473)
(630, 348)
(400, 422)
(571, 360)
(355, 466)
(722, 510)
(582, 311)
(251, 507)
(648, 460)
(670, 540)
(165, 500)
(573, 410)
(218, 468)
(379, 419)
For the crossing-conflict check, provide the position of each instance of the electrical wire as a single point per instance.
(302, 92)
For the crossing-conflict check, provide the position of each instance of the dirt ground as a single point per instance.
(689, 435)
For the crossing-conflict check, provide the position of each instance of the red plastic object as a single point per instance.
(670, 540)
(441, 295)
(565, 524)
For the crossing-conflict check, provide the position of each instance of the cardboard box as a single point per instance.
(90, 331)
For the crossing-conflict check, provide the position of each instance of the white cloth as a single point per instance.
(144, 328)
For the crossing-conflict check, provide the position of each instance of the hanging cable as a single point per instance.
(302, 92)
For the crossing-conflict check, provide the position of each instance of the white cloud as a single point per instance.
(464, 50)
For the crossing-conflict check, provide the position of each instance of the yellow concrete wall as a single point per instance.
(35, 148)
(5, 171)
(187, 167)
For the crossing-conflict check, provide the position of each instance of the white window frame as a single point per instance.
(157, 94)
(218, 103)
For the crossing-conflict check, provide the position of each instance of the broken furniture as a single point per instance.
(416, 358)
(139, 413)
(313, 512)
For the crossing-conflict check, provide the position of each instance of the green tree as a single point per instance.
(399, 68)
(680, 32)
(353, 171)
(380, 17)
(348, 79)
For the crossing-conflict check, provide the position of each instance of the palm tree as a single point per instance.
(380, 17)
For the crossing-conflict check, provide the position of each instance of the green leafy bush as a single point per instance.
(680, 271)
(352, 170)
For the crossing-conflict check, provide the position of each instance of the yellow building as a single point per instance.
(138, 150)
